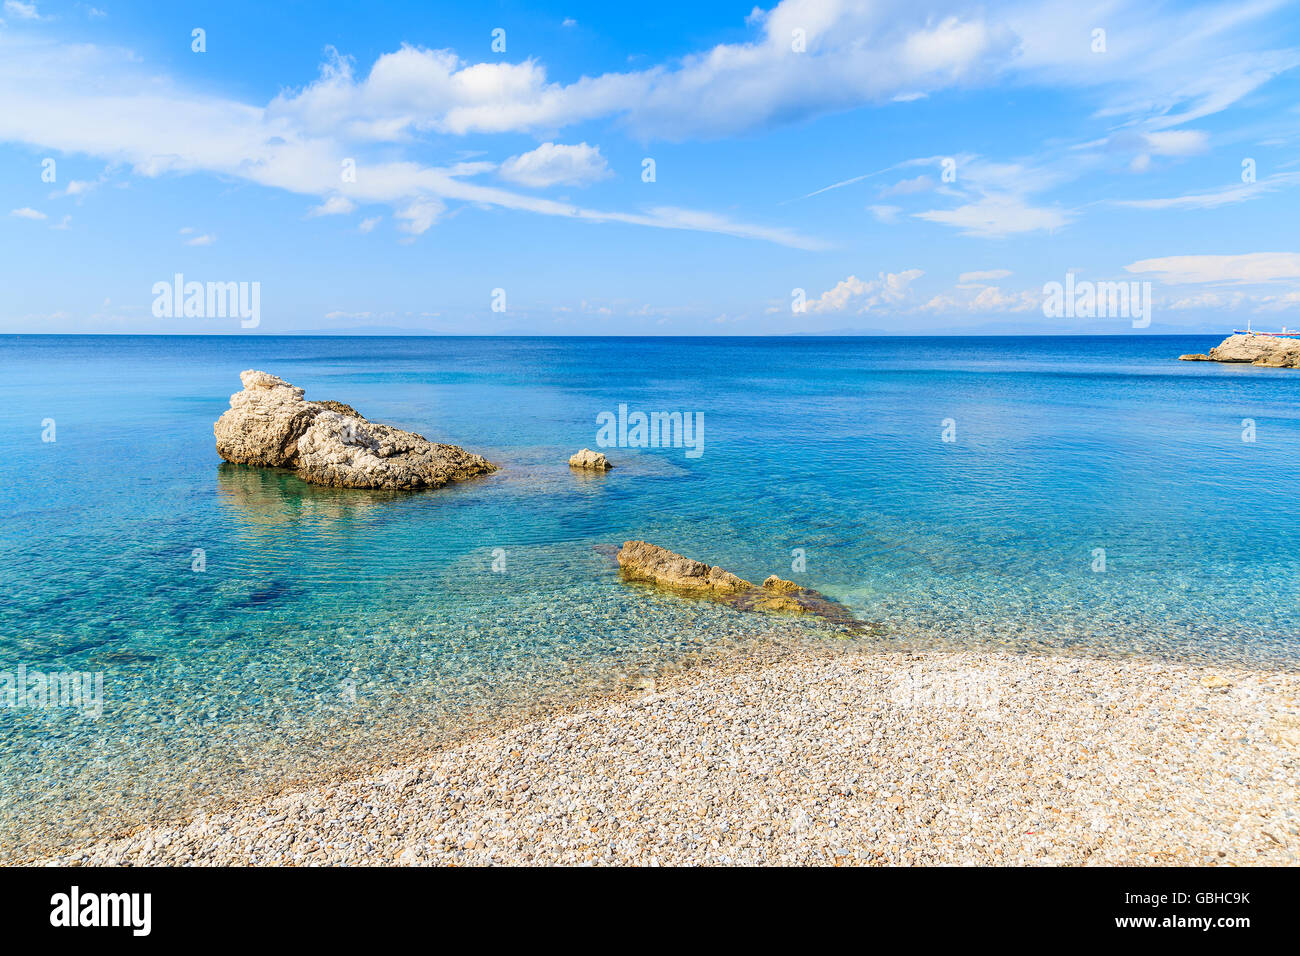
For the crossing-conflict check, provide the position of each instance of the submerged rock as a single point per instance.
(590, 460)
(641, 561)
(1264, 350)
(270, 423)
(779, 585)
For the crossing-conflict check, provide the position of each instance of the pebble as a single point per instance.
(849, 757)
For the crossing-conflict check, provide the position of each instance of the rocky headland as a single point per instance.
(1265, 350)
(271, 424)
(651, 564)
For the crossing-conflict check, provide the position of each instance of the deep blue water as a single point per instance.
(329, 623)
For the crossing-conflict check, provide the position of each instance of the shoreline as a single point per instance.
(834, 755)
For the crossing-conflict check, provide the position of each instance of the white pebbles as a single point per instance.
(822, 757)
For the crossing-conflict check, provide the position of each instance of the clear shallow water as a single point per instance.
(221, 682)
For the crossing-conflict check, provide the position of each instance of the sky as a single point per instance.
(814, 166)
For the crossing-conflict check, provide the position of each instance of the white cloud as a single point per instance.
(1208, 300)
(985, 276)
(334, 206)
(894, 292)
(1275, 303)
(889, 288)
(22, 11)
(554, 164)
(904, 187)
(983, 299)
(995, 217)
(1223, 196)
(417, 218)
(27, 212)
(1167, 66)
(85, 99)
(1255, 267)
(1177, 142)
(857, 53)
(885, 214)
(203, 240)
(367, 225)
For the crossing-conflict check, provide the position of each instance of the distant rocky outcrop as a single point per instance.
(589, 460)
(271, 424)
(642, 561)
(1264, 350)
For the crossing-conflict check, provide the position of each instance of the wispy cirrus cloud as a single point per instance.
(1223, 196)
(1253, 267)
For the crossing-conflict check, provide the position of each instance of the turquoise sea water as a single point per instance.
(329, 625)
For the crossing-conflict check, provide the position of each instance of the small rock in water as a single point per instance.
(589, 460)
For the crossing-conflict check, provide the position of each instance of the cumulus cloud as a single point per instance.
(983, 299)
(554, 164)
(888, 288)
(27, 212)
(855, 53)
(84, 99)
(895, 293)
(1165, 68)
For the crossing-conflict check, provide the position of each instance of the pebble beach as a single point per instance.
(817, 755)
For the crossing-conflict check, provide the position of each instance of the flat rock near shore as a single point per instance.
(1264, 350)
(813, 757)
(270, 423)
(651, 564)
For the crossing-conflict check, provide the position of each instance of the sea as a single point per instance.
(233, 630)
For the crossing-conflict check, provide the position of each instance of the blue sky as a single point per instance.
(801, 146)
